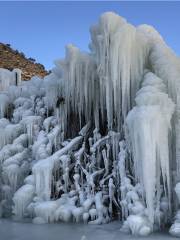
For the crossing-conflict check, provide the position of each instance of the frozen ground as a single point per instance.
(10, 230)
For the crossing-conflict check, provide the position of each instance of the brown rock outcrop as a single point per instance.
(10, 59)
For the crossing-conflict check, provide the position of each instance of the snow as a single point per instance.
(98, 138)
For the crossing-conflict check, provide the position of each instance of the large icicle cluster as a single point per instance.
(149, 124)
(98, 138)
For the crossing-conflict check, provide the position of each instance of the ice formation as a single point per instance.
(98, 138)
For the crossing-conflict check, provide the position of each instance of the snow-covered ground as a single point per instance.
(10, 230)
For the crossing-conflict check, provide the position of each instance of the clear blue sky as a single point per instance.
(42, 29)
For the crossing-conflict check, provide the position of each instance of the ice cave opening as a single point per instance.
(97, 139)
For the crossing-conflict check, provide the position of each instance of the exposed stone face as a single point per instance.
(10, 59)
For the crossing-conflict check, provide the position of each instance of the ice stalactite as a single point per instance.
(110, 75)
(121, 54)
(149, 124)
(79, 77)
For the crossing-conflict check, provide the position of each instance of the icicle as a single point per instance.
(29, 124)
(111, 195)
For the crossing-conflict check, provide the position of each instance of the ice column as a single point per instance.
(149, 124)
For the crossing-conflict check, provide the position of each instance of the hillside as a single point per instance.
(10, 59)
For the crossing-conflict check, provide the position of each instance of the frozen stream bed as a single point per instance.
(10, 230)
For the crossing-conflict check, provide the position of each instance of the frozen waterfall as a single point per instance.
(98, 138)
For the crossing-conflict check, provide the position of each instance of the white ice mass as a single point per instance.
(99, 137)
